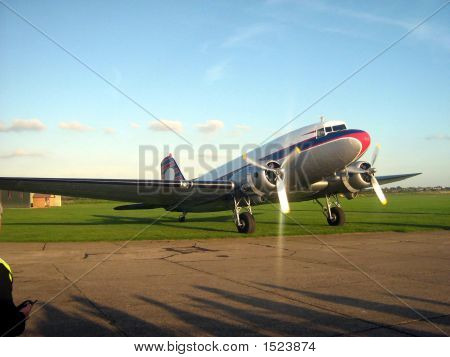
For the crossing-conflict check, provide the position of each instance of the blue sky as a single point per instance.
(219, 72)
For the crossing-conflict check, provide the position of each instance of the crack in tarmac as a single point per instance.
(87, 255)
(400, 324)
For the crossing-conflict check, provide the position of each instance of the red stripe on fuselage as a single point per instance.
(363, 137)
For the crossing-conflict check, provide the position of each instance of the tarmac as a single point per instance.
(360, 284)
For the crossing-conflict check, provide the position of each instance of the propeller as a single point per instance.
(371, 172)
(282, 196)
(375, 154)
(280, 176)
(377, 188)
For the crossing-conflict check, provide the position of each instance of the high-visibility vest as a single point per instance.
(8, 268)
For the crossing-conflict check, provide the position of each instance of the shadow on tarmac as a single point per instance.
(218, 312)
(86, 318)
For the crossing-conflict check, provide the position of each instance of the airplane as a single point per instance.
(318, 161)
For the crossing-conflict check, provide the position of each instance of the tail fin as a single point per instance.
(170, 169)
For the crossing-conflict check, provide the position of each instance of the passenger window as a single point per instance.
(328, 129)
(320, 132)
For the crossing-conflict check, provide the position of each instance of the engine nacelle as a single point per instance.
(357, 181)
(256, 180)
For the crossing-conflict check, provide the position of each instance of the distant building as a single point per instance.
(13, 199)
(40, 200)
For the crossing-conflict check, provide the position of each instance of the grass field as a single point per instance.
(96, 220)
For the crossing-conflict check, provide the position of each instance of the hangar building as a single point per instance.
(13, 199)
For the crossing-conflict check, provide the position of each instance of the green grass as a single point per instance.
(96, 220)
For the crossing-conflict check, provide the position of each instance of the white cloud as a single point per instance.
(240, 129)
(135, 125)
(368, 17)
(215, 72)
(245, 34)
(166, 125)
(21, 153)
(436, 34)
(322, 6)
(109, 131)
(75, 126)
(438, 137)
(19, 125)
(338, 31)
(210, 126)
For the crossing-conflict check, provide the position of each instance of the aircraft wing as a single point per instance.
(154, 193)
(382, 180)
(338, 187)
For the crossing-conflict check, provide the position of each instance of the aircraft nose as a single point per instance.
(364, 138)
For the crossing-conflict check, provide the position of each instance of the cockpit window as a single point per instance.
(324, 131)
(339, 127)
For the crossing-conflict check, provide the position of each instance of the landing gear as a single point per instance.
(337, 217)
(182, 217)
(333, 212)
(248, 223)
(245, 222)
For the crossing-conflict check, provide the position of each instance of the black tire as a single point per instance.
(337, 217)
(182, 219)
(248, 223)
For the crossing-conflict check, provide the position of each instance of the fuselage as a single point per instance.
(325, 148)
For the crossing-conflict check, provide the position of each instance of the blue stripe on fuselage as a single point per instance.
(309, 143)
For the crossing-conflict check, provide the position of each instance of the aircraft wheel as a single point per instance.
(248, 223)
(182, 219)
(337, 217)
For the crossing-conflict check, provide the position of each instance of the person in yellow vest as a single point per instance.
(12, 317)
(1, 211)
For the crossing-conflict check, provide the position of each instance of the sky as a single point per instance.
(221, 74)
